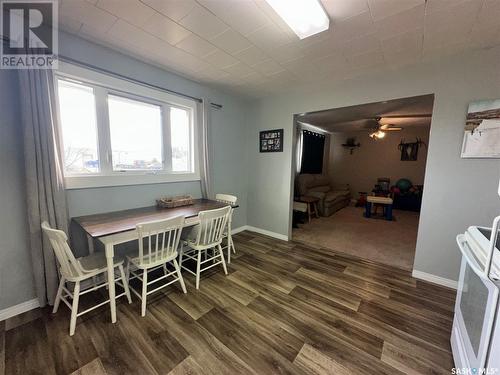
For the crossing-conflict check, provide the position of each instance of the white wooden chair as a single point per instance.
(230, 200)
(78, 270)
(210, 231)
(158, 244)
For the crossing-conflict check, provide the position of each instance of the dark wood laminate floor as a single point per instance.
(285, 308)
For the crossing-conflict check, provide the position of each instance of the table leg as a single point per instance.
(388, 212)
(109, 249)
(90, 242)
(309, 212)
(368, 209)
(316, 213)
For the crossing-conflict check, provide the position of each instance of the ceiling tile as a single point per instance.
(82, 11)
(251, 56)
(299, 65)
(322, 49)
(174, 9)
(200, 21)
(411, 40)
(231, 41)
(460, 16)
(432, 52)
(243, 16)
(238, 69)
(269, 37)
(436, 5)
(398, 58)
(485, 37)
(288, 52)
(400, 23)
(366, 60)
(385, 8)
(164, 28)
(220, 59)
(489, 15)
(196, 46)
(132, 11)
(274, 17)
(455, 33)
(243, 45)
(353, 27)
(133, 35)
(70, 25)
(268, 68)
(254, 78)
(341, 9)
(362, 44)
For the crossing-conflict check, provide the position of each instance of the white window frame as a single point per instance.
(104, 85)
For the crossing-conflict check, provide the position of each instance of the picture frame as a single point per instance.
(482, 130)
(271, 140)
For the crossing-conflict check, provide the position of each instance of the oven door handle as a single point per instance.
(469, 256)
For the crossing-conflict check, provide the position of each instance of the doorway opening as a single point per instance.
(359, 178)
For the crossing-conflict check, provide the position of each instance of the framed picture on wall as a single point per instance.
(482, 130)
(271, 140)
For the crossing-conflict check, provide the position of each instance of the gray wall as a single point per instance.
(228, 126)
(229, 144)
(457, 192)
(376, 159)
(16, 280)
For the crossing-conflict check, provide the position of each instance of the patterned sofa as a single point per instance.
(331, 199)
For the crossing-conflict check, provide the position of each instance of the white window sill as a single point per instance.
(95, 181)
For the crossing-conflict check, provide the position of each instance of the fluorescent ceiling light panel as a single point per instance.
(305, 17)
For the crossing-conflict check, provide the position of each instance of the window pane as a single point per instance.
(180, 138)
(136, 138)
(79, 131)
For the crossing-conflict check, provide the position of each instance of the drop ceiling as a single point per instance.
(404, 112)
(242, 45)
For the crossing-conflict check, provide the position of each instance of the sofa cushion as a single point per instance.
(337, 195)
(322, 189)
(317, 194)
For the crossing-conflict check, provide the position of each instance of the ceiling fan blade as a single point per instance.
(395, 128)
(420, 115)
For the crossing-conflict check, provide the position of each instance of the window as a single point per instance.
(78, 119)
(135, 127)
(114, 132)
(179, 128)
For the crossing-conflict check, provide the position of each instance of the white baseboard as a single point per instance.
(18, 309)
(435, 279)
(261, 231)
(239, 229)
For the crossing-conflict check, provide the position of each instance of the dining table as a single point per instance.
(114, 228)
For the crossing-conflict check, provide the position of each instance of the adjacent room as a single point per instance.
(249, 187)
(350, 156)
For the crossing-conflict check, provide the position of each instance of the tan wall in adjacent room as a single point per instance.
(376, 159)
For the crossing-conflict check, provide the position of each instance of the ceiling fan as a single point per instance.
(378, 130)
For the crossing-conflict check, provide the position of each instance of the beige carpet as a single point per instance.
(388, 242)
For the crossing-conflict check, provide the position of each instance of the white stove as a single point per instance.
(475, 338)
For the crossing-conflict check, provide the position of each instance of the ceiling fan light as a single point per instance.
(379, 134)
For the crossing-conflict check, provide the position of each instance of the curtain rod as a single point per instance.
(133, 80)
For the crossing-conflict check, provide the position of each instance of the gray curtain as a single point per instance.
(46, 199)
(206, 151)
